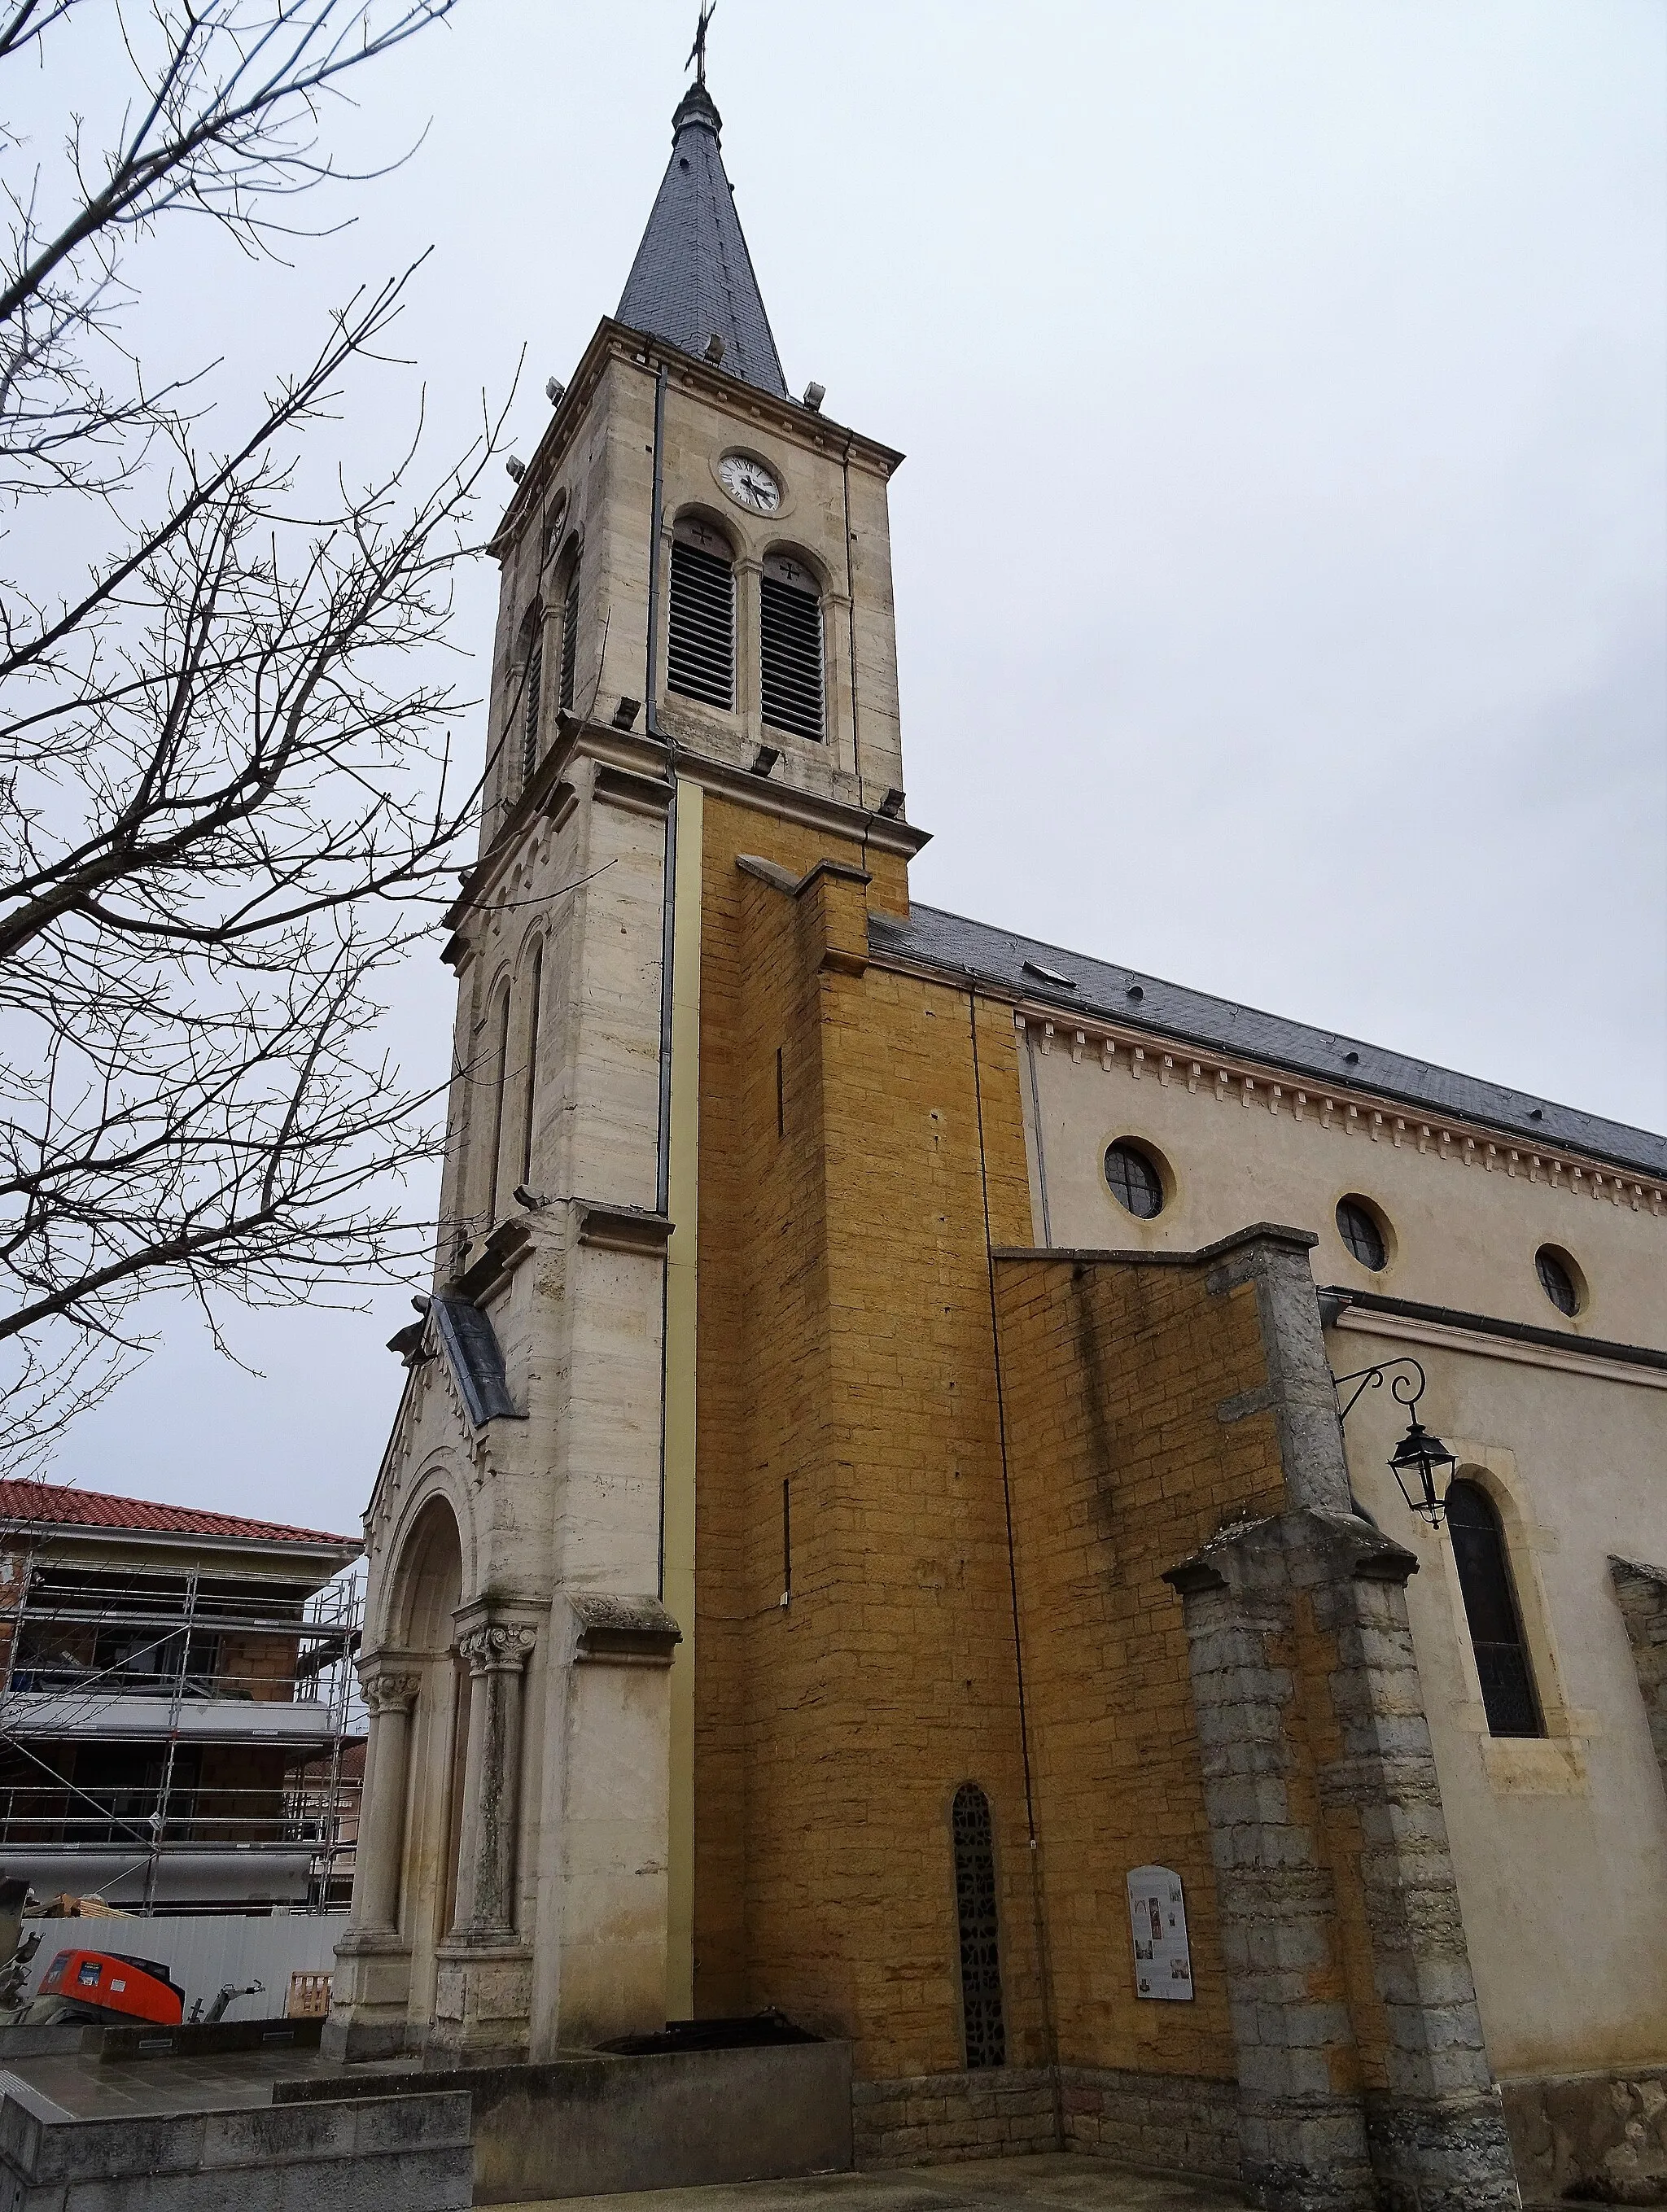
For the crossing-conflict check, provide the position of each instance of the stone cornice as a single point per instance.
(635, 771)
(613, 342)
(1262, 1085)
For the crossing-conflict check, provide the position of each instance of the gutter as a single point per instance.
(1335, 1302)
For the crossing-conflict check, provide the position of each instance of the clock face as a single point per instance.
(749, 483)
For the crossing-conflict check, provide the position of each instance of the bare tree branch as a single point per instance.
(227, 807)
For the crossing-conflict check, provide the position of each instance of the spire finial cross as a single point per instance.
(697, 51)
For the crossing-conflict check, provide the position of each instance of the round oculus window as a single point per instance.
(1558, 1279)
(1359, 1228)
(1135, 1181)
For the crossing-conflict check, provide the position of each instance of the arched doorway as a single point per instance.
(427, 1591)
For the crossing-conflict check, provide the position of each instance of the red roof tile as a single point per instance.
(57, 1506)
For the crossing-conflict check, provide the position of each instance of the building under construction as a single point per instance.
(178, 1728)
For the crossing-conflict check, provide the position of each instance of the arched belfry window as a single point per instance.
(700, 657)
(1490, 1607)
(973, 1840)
(532, 678)
(790, 642)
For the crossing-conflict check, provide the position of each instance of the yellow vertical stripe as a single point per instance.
(680, 1396)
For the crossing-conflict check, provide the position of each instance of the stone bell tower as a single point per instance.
(696, 602)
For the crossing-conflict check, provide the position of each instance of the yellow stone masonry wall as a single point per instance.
(1120, 1468)
(846, 1346)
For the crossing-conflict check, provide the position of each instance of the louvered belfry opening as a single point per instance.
(532, 677)
(569, 635)
(980, 1953)
(790, 636)
(700, 660)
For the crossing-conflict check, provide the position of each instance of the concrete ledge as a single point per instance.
(594, 2125)
(204, 2040)
(389, 2153)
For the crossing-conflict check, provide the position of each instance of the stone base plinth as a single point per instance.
(369, 1996)
(482, 2005)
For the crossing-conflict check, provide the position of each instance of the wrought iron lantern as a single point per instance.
(1420, 1463)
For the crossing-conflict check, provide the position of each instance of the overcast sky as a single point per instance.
(1281, 553)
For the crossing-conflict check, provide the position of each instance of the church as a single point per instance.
(1107, 1548)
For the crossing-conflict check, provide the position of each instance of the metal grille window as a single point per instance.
(569, 637)
(790, 638)
(1135, 1181)
(975, 1905)
(1490, 1607)
(700, 643)
(1359, 1230)
(1557, 1280)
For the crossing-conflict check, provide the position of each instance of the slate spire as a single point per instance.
(692, 278)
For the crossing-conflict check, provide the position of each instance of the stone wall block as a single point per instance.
(1641, 1593)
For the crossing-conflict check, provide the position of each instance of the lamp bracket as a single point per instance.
(1403, 1388)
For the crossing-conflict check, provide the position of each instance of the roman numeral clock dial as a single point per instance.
(749, 483)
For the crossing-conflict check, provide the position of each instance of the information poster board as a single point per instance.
(1158, 1921)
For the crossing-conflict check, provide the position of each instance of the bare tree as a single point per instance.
(225, 803)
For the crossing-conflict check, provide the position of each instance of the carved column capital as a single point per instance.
(388, 1687)
(496, 1646)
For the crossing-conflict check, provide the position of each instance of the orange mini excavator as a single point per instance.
(105, 1989)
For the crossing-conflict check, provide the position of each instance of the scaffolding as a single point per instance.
(196, 1724)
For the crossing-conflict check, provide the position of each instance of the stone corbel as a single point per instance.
(616, 1630)
(622, 1228)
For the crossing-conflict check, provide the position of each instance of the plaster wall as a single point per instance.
(1559, 1844)
(1463, 1237)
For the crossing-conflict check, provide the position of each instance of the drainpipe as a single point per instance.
(667, 933)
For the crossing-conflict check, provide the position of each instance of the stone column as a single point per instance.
(390, 1697)
(497, 1653)
(373, 1958)
(484, 1982)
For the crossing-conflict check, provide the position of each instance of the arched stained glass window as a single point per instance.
(980, 1948)
(1490, 1607)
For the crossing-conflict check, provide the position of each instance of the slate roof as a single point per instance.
(475, 1358)
(55, 1506)
(951, 942)
(692, 277)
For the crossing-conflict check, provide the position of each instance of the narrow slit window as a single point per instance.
(569, 637)
(534, 1012)
(1490, 1607)
(790, 639)
(787, 1541)
(500, 1078)
(781, 1095)
(983, 2023)
(530, 708)
(701, 630)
